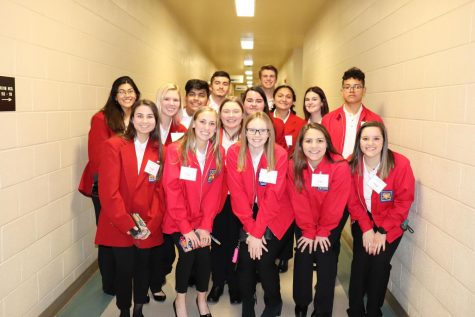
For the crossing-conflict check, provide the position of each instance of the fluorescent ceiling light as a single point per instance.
(249, 77)
(249, 83)
(248, 61)
(244, 8)
(248, 72)
(247, 43)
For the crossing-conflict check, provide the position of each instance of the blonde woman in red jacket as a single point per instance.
(193, 180)
(169, 104)
(256, 170)
(129, 175)
(382, 194)
(319, 186)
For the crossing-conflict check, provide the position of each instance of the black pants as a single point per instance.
(268, 273)
(105, 256)
(339, 230)
(161, 263)
(200, 259)
(369, 275)
(226, 229)
(326, 276)
(287, 251)
(132, 273)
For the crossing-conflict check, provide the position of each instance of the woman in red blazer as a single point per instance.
(382, 194)
(193, 181)
(319, 186)
(111, 120)
(129, 175)
(168, 101)
(256, 170)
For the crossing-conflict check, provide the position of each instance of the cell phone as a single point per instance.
(135, 232)
(187, 246)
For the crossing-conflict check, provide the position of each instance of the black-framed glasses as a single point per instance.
(252, 131)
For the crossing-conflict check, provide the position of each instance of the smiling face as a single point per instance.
(231, 115)
(283, 99)
(143, 121)
(257, 133)
(196, 99)
(126, 96)
(205, 126)
(371, 142)
(170, 103)
(268, 78)
(253, 102)
(314, 146)
(313, 102)
(220, 86)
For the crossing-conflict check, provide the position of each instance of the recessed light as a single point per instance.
(244, 8)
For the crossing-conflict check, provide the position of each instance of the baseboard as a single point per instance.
(390, 299)
(66, 296)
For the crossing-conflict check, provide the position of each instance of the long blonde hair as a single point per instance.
(268, 146)
(188, 142)
(161, 94)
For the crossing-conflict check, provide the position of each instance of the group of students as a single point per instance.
(233, 188)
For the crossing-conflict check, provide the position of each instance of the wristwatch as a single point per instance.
(381, 230)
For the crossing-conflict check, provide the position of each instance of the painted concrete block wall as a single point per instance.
(418, 56)
(65, 55)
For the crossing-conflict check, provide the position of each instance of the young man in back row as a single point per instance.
(220, 84)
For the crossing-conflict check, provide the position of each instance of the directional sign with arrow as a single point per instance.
(7, 93)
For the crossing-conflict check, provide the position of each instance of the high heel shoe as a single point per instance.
(159, 296)
(300, 311)
(201, 315)
(272, 311)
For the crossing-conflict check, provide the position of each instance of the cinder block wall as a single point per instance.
(418, 56)
(65, 55)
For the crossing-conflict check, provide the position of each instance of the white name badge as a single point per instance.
(176, 135)
(288, 140)
(188, 173)
(269, 177)
(376, 184)
(320, 181)
(152, 168)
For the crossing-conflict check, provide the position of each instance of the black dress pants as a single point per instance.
(369, 276)
(161, 263)
(326, 276)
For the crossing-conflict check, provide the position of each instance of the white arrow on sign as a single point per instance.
(8, 99)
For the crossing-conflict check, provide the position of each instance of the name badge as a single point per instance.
(288, 140)
(386, 196)
(152, 168)
(267, 177)
(320, 181)
(176, 136)
(188, 173)
(376, 184)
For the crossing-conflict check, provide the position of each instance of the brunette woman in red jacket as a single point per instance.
(382, 194)
(193, 180)
(256, 170)
(129, 175)
(319, 186)
(111, 120)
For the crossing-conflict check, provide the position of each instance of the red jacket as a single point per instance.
(318, 211)
(174, 128)
(275, 210)
(292, 127)
(98, 133)
(335, 123)
(191, 204)
(279, 129)
(389, 208)
(123, 191)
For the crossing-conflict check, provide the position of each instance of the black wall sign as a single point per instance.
(7, 93)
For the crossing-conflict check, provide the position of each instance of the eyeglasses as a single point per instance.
(252, 131)
(354, 87)
(126, 92)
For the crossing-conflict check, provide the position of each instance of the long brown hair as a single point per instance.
(239, 102)
(187, 143)
(300, 160)
(268, 146)
(154, 136)
(319, 91)
(387, 156)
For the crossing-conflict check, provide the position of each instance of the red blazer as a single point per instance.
(389, 208)
(275, 210)
(123, 191)
(98, 133)
(292, 127)
(279, 131)
(191, 204)
(174, 127)
(318, 211)
(335, 123)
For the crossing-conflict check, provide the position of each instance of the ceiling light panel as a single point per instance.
(244, 8)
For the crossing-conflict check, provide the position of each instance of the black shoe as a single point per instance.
(201, 315)
(108, 291)
(147, 299)
(283, 265)
(138, 310)
(300, 311)
(124, 313)
(215, 294)
(235, 297)
(159, 296)
(272, 311)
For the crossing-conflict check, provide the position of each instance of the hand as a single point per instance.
(379, 242)
(368, 238)
(303, 242)
(205, 237)
(323, 242)
(193, 238)
(254, 246)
